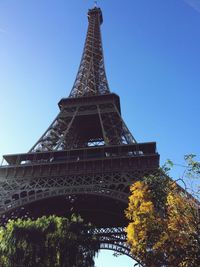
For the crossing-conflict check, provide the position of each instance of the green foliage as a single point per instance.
(48, 242)
(158, 184)
(193, 166)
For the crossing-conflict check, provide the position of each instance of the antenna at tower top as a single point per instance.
(95, 3)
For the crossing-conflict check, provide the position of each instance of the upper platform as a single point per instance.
(95, 100)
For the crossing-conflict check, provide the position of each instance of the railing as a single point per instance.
(75, 155)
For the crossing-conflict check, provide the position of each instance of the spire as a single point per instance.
(95, 3)
(91, 77)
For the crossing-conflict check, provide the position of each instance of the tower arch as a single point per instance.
(87, 156)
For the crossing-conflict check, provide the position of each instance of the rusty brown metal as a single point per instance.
(86, 160)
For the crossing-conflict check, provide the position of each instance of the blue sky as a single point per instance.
(152, 59)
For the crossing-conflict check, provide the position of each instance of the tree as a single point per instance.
(48, 241)
(164, 228)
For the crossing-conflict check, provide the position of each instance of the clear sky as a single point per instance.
(152, 58)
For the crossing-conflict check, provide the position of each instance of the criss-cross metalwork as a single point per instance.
(91, 116)
(86, 160)
(91, 77)
(86, 122)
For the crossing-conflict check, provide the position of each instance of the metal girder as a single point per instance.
(87, 151)
(68, 130)
(113, 239)
(16, 192)
(91, 78)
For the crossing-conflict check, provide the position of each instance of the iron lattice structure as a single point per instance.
(91, 77)
(86, 160)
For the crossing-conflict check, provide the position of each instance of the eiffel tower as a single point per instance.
(86, 160)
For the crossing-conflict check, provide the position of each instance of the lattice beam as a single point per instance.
(72, 128)
(91, 78)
